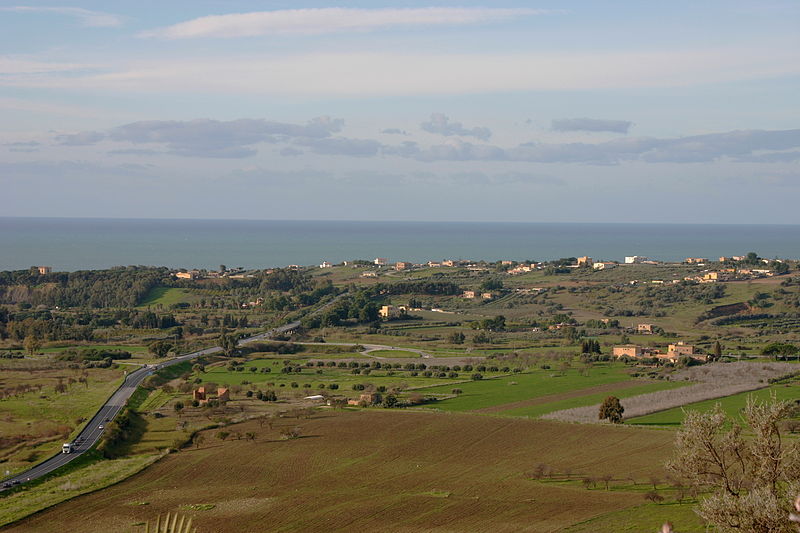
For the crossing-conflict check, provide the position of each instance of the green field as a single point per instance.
(316, 376)
(642, 519)
(167, 296)
(590, 399)
(394, 354)
(135, 350)
(731, 405)
(34, 424)
(528, 385)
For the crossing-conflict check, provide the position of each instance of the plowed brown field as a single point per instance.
(378, 470)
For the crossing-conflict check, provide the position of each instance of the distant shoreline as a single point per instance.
(69, 244)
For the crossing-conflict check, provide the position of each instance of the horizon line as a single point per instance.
(5, 217)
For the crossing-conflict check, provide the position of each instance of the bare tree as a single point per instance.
(750, 478)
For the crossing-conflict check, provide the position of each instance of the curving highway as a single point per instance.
(92, 432)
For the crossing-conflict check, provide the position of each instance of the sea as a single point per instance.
(69, 244)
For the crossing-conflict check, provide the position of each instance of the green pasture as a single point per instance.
(647, 517)
(167, 296)
(731, 405)
(394, 354)
(134, 350)
(526, 386)
(591, 399)
(314, 376)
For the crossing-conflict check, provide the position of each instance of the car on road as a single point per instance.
(101, 426)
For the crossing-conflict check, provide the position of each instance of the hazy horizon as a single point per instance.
(410, 221)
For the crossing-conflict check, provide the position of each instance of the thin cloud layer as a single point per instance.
(373, 73)
(88, 18)
(440, 123)
(591, 124)
(331, 20)
(208, 138)
(241, 138)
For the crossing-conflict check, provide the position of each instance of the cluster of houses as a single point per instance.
(203, 396)
(674, 352)
(195, 274)
(731, 274)
(471, 295)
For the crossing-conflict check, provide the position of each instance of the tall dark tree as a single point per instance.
(228, 344)
(717, 351)
(611, 410)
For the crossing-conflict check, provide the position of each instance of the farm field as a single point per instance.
(394, 354)
(731, 405)
(528, 385)
(710, 381)
(382, 470)
(33, 423)
(622, 390)
(166, 296)
(316, 376)
(133, 349)
(53, 491)
(640, 519)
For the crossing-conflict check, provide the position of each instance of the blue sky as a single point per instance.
(508, 111)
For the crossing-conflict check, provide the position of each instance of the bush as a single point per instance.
(477, 376)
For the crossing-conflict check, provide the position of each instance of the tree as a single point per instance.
(653, 496)
(198, 440)
(32, 344)
(717, 351)
(780, 350)
(390, 401)
(228, 344)
(179, 407)
(611, 410)
(222, 435)
(456, 337)
(492, 284)
(752, 478)
(160, 348)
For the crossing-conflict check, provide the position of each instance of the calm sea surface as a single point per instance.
(74, 244)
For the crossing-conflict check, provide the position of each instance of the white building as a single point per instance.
(634, 259)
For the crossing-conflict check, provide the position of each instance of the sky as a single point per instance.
(560, 111)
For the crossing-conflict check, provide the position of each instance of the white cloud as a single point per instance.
(92, 19)
(366, 74)
(331, 20)
(440, 123)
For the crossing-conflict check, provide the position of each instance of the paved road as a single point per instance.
(92, 432)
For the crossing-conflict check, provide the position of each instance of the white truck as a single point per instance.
(66, 448)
